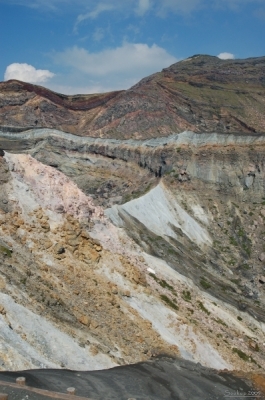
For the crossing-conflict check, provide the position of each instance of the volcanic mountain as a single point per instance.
(201, 94)
(132, 227)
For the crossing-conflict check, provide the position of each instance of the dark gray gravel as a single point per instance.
(157, 379)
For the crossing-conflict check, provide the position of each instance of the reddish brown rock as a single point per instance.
(201, 94)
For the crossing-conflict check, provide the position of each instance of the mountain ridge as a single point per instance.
(200, 93)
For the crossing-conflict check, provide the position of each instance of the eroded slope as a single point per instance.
(201, 94)
(117, 299)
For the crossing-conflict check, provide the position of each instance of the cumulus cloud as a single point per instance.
(112, 69)
(27, 73)
(226, 56)
(128, 59)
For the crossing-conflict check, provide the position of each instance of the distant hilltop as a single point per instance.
(200, 94)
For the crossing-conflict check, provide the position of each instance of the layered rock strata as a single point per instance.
(201, 94)
(182, 270)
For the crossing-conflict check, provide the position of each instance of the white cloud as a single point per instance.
(100, 8)
(109, 69)
(226, 56)
(143, 7)
(27, 73)
(128, 59)
(177, 6)
(98, 34)
(79, 89)
(88, 9)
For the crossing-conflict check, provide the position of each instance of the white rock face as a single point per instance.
(158, 210)
(191, 345)
(28, 340)
(39, 184)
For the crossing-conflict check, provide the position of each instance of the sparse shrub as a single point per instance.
(239, 318)
(233, 241)
(206, 285)
(220, 321)
(247, 249)
(5, 250)
(164, 284)
(186, 295)
(241, 232)
(245, 266)
(171, 251)
(243, 355)
(204, 309)
(154, 277)
(169, 302)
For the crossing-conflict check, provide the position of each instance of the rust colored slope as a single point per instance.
(201, 94)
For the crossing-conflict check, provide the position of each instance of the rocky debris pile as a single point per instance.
(54, 270)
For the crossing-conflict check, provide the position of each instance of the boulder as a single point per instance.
(84, 320)
(262, 257)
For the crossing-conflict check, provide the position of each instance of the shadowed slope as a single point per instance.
(157, 379)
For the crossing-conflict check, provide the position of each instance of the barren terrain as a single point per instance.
(138, 231)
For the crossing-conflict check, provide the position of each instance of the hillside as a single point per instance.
(137, 239)
(201, 94)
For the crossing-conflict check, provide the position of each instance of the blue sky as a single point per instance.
(88, 46)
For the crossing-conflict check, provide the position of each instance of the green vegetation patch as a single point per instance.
(233, 241)
(169, 302)
(206, 285)
(204, 309)
(163, 283)
(221, 322)
(243, 355)
(247, 249)
(186, 295)
(5, 250)
(245, 266)
(166, 285)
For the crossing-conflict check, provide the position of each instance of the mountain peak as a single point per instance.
(202, 94)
